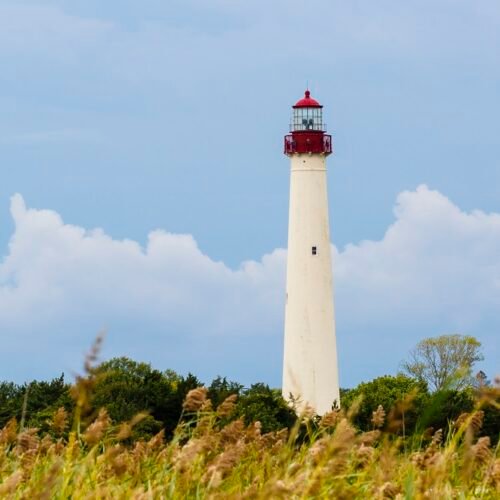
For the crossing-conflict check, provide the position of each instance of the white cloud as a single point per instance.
(433, 260)
(70, 271)
(437, 269)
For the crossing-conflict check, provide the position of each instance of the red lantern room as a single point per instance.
(307, 129)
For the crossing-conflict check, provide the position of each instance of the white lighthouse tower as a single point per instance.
(310, 371)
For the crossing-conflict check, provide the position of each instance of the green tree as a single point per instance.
(445, 361)
(35, 401)
(491, 422)
(10, 402)
(221, 388)
(266, 405)
(443, 407)
(126, 387)
(387, 391)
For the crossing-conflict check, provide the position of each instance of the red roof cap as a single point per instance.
(308, 102)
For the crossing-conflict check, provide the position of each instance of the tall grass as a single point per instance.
(212, 456)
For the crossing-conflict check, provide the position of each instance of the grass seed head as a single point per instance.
(330, 419)
(389, 490)
(369, 438)
(280, 490)
(117, 459)
(9, 486)
(188, 454)
(232, 432)
(378, 417)
(46, 444)
(254, 432)
(95, 431)
(226, 408)
(437, 438)
(27, 440)
(495, 474)
(364, 455)
(317, 451)
(195, 399)
(481, 450)
(8, 434)
(59, 421)
(156, 441)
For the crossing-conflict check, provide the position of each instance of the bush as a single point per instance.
(443, 407)
(126, 388)
(266, 405)
(42, 400)
(388, 391)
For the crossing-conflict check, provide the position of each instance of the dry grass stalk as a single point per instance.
(93, 355)
(369, 438)
(8, 435)
(59, 421)
(95, 431)
(195, 399)
(9, 486)
(226, 408)
(330, 419)
(232, 432)
(27, 441)
(125, 429)
(481, 452)
(495, 475)
(378, 417)
(156, 441)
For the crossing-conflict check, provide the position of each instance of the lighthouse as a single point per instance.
(310, 371)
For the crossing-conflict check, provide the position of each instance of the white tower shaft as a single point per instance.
(310, 371)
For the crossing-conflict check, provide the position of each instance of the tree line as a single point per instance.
(435, 390)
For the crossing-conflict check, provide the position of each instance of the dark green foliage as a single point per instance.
(10, 402)
(344, 392)
(126, 388)
(145, 429)
(387, 391)
(42, 400)
(491, 423)
(424, 412)
(443, 407)
(221, 388)
(267, 406)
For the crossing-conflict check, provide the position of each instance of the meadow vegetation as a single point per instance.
(126, 430)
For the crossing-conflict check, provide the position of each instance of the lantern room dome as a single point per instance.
(307, 102)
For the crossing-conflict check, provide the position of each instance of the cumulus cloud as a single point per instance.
(437, 269)
(434, 259)
(60, 284)
(69, 271)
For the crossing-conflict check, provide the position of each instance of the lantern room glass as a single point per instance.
(305, 119)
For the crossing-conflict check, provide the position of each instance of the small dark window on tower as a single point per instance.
(314, 251)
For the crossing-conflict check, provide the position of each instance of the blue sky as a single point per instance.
(152, 120)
